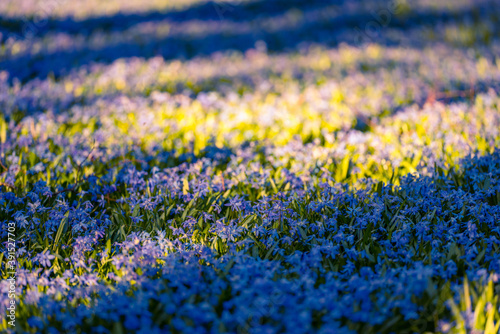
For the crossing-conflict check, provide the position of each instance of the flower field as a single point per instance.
(250, 166)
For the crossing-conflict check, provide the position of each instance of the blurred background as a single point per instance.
(56, 36)
(286, 66)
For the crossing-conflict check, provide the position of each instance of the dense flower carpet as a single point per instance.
(250, 166)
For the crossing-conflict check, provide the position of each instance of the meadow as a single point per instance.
(250, 166)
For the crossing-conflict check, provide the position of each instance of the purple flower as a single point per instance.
(44, 258)
(236, 203)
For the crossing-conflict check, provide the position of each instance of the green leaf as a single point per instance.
(186, 210)
(60, 231)
(135, 212)
(185, 186)
(271, 250)
(273, 185)
(108, 246)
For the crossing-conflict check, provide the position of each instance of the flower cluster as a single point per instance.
(193, 167)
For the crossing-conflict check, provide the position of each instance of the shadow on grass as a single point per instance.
(210, 27)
